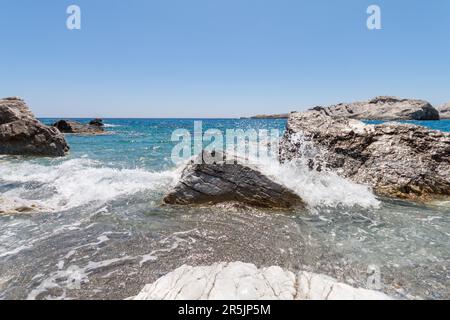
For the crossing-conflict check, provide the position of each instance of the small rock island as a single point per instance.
(94, 127)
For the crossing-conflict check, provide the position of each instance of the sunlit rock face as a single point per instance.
(22, 134)
(444, 111)
(384, 108)
(399, 160)
(242, 281)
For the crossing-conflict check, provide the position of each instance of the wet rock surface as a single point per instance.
(223, 182)
(399, 160)
(22, 134)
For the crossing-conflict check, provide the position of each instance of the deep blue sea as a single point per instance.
(92, 224)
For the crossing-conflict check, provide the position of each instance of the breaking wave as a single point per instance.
(320, 188)
(75, 182)
(317, 188)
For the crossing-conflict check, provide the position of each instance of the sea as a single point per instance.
(92, 225)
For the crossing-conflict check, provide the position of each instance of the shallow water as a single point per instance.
(97, 228)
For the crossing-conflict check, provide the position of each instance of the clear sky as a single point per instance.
(215, 58)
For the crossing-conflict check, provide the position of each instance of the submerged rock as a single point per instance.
(22, 134)
(11, 206)
(94, 127)
(383, 108)
(401, 160)
(242, 281)
(222, 182)
(444, 111)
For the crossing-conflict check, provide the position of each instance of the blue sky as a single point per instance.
(216, 58)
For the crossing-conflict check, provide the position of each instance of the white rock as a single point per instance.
(320, 287)
(242, 281)
(17, 205)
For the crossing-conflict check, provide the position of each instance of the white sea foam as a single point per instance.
(319, 188)
(79, 181)
(108, 125)
(324, 188)
(71, 278)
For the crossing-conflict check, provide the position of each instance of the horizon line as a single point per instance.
(160, 118)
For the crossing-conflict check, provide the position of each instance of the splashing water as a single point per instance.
(77, 182)
(92, 225)
(316, 188)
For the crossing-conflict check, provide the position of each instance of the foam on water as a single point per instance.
(316, 188)
(109, 125)
(76, 182)
(320, 188)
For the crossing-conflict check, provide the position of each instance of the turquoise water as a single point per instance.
(442, 125)
(146, 143)
(95, 226)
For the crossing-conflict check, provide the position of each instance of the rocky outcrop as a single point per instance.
(241, 281)
(400, 160)
(94, 127)
(97, 122)
(444, 111)
(383, 108)
(22, 134)
(205, 182)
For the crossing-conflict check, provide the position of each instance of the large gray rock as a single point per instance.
(401, 160)
(383, 108)
(94, 127)
(243, 281)
(444, 111)
(222, 182)
(22, 134)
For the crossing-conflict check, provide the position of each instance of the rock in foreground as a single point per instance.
(241, 281)
(400, 160)
(383, 108)
(444, 111)
(222, 182)
(22, 134)
(66, 126)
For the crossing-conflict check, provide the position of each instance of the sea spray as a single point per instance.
(76, 182)
(317, 186)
